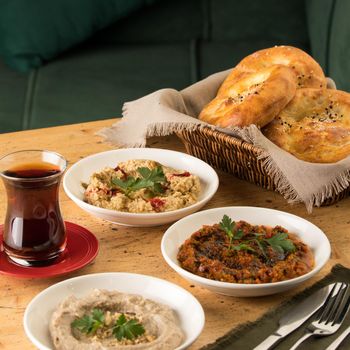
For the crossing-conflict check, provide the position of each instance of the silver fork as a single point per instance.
(339, 340)
(330, 317)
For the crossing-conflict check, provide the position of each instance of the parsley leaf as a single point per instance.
(280, 243)
(127, 329)
(243, 246)
(89, 324)
(228, 226)
(239, 234)
(155, 175)
(124, 185)
(261, 245)
(150, 179)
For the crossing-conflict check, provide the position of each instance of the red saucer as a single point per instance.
(81, 249)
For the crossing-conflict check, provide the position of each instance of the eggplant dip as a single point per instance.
(113, 320)
(239, 252)
(142, 186)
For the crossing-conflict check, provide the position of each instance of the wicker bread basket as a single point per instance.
(234, 156)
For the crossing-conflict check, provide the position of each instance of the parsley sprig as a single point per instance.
(280, 242)
(89, 324)
(153, 180)
(127, 329)
(123, 328)
(229, 227)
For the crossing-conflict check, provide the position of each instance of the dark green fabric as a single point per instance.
(319, 19)
(329, 28)
(252, 20)
(32, 32)
(13, 89)
(93, 83)
(339, 45)
(169, 44)
(167, 21)
(250, 335)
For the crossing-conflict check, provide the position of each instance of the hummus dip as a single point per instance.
(120, 188)
(161, 330)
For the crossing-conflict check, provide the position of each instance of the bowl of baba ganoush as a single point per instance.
(245, 251)
(123, 311)
(140, 186)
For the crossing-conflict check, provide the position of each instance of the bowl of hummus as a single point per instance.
(142, 186)
(245, 251)
(123, 311)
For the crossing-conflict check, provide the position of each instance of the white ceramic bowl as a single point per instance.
(83, 169)
(38, 312)
(307, 232)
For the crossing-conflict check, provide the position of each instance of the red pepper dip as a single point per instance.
(252, 259)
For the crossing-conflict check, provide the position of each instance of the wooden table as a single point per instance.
(138, 250)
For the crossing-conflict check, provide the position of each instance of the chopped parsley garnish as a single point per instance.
(89, 324)
(229, 227)
(280, 242)
(127, 329)
(152, 180)
(122, 328)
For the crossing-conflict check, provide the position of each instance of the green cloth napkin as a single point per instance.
(249, 335)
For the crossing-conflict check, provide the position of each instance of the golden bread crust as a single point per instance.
(309, 73)
(315, 126)
(255, 99)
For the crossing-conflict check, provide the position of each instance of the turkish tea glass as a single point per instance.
(34, 233)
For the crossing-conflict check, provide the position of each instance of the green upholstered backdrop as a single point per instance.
(33, 32)
(164, 44)
(329, 30)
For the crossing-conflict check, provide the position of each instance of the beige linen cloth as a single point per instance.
(167, 111)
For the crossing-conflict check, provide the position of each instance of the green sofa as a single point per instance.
(166, 44)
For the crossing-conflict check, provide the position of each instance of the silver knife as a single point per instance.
(294, 318)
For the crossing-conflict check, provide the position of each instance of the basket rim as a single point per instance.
(221, 136)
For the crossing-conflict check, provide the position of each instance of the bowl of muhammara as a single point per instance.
(245, 251)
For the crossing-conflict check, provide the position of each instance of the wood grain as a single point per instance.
(138, 250)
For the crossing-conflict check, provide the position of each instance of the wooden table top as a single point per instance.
(138, 250)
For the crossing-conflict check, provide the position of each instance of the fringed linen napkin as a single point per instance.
(167, 111)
